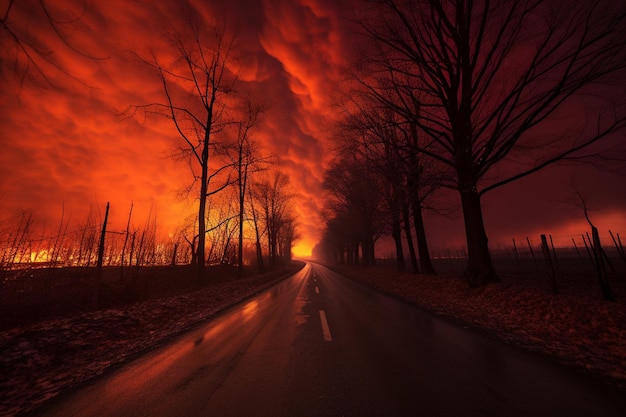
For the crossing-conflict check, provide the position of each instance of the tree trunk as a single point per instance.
(420, 236)
(274, 257)
(194, 252)
(130, 213)
(342, 254)
(409, 236)
(259, 252)
(365, 261)
(98, 286)
(226, 246)
(200, 255)
(204, 178)
(173, 263)
(396, 232)
(259, 256)
(132, 249)
(351, 251)
(605, 284)
(479, 267)
(549, 264)
(368, 251)
(268, 228)
(243, 177)
(413, 182)
(240, 246)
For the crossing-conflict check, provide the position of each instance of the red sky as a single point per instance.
(68, 146)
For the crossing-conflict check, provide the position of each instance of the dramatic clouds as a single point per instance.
(64, 139)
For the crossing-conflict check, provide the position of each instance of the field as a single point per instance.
(30, 295)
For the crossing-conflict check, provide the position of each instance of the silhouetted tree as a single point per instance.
(386, 140)
(273, 200)
(287, 237)
(245, 161)
(25, 54)
(98, 282)
(16, 240)
(332, 247)
(480, 79)
(378, 144)
(599, 255)
(258, 233)
(221, 226)
(195, 86)
(355, 195)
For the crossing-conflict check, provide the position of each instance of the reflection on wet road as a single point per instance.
(319, 344)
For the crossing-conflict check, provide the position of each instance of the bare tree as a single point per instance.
(124, 246)
(88, 239)
(24, 54)
(287, 236)
(245, 162)
(480, 80)
(221, 225)
(355, 195)
(16, 239)
(195, 88)
(97, 293)
(274, 205)
(599, 255)
(256, 224)
(378, 140)
(388, 141)
(336, 240)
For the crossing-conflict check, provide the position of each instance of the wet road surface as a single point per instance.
(318, 344)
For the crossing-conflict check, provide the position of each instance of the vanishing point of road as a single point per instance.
(319, 344)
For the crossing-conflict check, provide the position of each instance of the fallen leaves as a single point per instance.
(576, 328)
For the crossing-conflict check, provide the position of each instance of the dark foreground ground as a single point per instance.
(321, 344)
(44, 359)
(576, 327)
(41, 360)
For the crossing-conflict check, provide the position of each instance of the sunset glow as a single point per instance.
(303, 249)
(69, 145)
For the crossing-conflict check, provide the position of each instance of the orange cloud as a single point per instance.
(67, 144)
(71, 147)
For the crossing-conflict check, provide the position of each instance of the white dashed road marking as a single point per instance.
(325, 328)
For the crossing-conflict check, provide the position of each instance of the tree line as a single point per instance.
(241, 194)
(469, 96)
(269, 232)
(215, 117)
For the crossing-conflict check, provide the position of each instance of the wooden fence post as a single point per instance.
(546, 254)
(174, 254)
(532, 253)
(556, 260)
(98, 286)
(618, 246)
(519, 268)
(576, 249)
(588, 249)
(605, 285)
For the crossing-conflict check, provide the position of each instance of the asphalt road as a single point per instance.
(318, 344)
